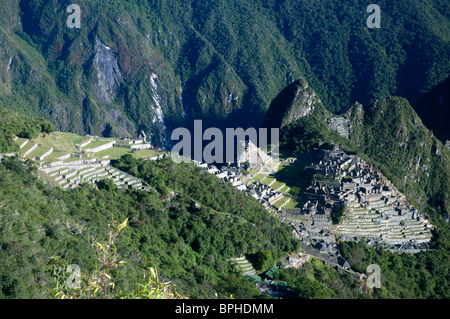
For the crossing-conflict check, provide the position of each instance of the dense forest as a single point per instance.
(187, 243)
(185, 228)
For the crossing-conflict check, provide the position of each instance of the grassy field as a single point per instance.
(74, 159)
(62, 141)
(146, 153)
(68, 141)
(118, 152)
(26, 148)
(258, 177)
(113, 152)
(280, 202)
(293, 175)
(293, 205)
(53, 157)
(269, 179)
(97, 144)
(39, 151)
(20, 140)
(277, 185)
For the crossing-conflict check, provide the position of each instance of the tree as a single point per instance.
(263, 258)
(107, 184)
(47, 127)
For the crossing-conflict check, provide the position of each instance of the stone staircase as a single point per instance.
(243, 265)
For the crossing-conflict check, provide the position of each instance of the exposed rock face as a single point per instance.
(292, 103)
(108, 72)
(158, 124)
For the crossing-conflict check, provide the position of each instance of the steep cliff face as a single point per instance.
(292, 103)
(108, 73)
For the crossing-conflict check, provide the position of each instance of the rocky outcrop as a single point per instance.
(108, 72)
(292, 103)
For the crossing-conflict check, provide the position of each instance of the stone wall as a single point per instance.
(100, 148)
(30, 150)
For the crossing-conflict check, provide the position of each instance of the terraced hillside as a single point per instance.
(68, 160)
(71, 176)
(243, 265)
(383, 221)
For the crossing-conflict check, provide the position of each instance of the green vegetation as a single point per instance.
(259, 177)
(301, 135)
(187, 243)
(269, 179)
(263, 260)
(293, 205)
(390, 135)
(290, 174)
(98, 143)
(294, 176)
(422, 275)
(213, 51)
(337, 213)
(62, 141)
(145, 154)
(113, 153)
(281, 201)
(314, 280)
(226, 60)
(17, 124)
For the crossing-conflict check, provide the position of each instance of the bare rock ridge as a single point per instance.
(108, 72)
(292, 103)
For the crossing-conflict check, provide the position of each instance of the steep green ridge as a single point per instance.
(353, 63)
(152, 65)
(187, 236)
(391, 134)
(406, 276)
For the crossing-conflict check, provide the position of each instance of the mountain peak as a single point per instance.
(294, 102)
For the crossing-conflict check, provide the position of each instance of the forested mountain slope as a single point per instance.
(154, 65)
(188, 243)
